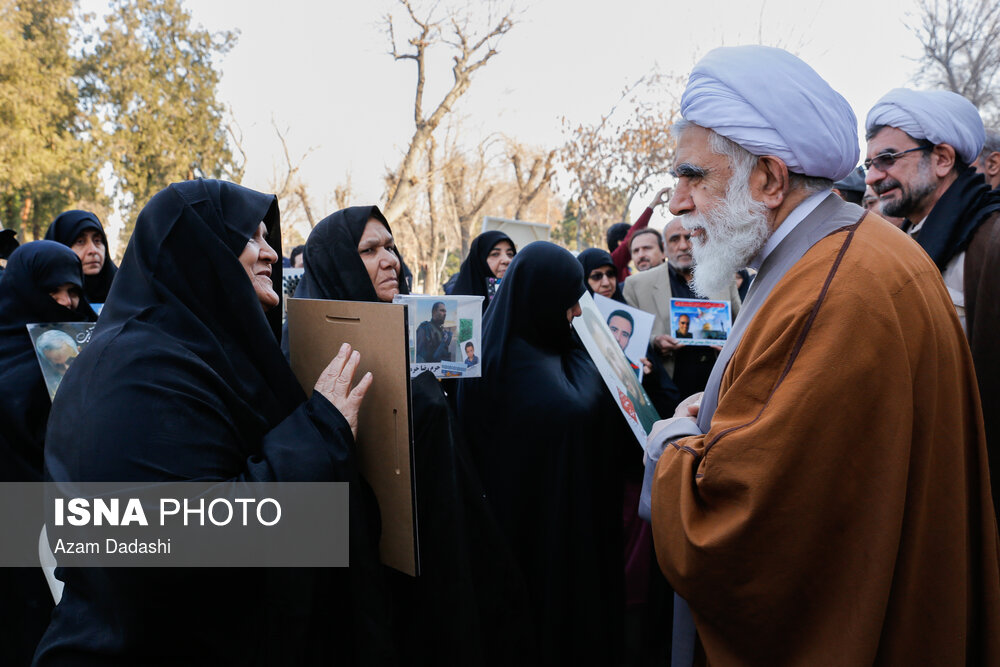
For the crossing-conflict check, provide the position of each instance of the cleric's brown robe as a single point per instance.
(838, 510)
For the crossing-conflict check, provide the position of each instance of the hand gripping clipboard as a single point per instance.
(317, 328)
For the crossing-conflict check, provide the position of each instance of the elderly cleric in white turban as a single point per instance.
(771, 103)
(939, 116)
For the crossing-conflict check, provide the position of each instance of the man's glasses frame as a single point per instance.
(885, 161)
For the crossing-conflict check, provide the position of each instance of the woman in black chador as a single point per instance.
(467, 606)
(184, 380)
(490, 254)
(83, 233)
(648, 596)
(43, 283)
(553, 477)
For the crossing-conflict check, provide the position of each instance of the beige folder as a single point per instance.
(317, 328)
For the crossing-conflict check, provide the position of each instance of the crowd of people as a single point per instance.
(817, 492)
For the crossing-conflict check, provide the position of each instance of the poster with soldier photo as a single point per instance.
(57, 345)
(615, 369)
(700, 321)
(445, 334)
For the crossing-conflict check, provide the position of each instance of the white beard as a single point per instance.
(735, 231)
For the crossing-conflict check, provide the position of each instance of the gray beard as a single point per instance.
(737, 228)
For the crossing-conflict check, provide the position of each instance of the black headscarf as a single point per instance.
(184, 380)
(956, 216)
(65, 229)
(333, 267)
(474, 271)
(595, 258)
(553, 478)
(33, 271)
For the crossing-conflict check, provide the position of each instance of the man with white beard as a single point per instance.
(826, 501)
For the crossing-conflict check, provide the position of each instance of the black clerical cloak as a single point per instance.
(184, 380)
(546, 439)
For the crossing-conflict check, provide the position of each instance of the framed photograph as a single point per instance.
(316, 329)
(615, 369)
(445, 334)
(700, 321)
(57, 345)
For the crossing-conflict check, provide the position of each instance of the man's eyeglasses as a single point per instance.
(884, 161)
(600, 275)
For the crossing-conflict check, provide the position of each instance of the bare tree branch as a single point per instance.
(469, 48)
(961, 52)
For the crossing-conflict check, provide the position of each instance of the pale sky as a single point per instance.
(322, 70)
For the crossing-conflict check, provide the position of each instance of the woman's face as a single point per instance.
(377, 251)
(603, 281)
(257, 258)
(89, 247)
(573, 312)
(499, 258)
(67, 295)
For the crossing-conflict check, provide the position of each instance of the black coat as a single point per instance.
(548, 442)
(184, 380)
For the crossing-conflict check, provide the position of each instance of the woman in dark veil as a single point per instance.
(554, 477)
(184, 380)
(83, 233)
(489, 256)
(466, 607)
(43, 283)
(647, 593)
(599, 272)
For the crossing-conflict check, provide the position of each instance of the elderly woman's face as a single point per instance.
(377, 252)
(257, 258)
(500, 258)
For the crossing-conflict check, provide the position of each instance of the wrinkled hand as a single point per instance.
(665, 344)
(661, 197)
(689, 406)
(334, 384)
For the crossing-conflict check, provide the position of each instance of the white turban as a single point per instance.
(771, 103)
(939, 116)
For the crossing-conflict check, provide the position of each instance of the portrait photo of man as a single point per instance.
(683, 327)
(433, 338)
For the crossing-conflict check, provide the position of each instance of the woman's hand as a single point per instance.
(335, 384)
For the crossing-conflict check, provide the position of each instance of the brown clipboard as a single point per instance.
(317, 328)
